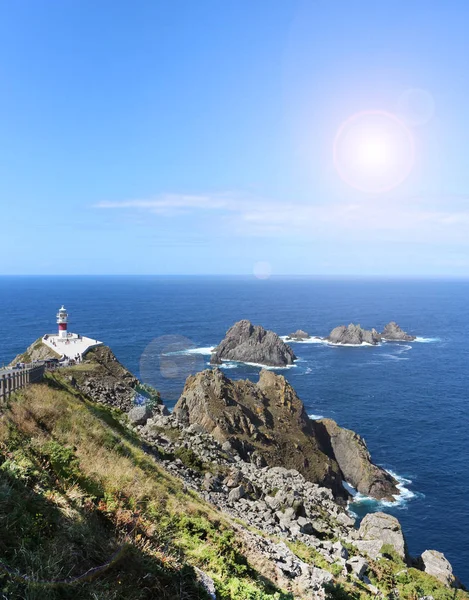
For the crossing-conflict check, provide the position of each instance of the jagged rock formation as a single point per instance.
(354, 460)
(393, 333)
(298, 336)
(245, 342)
(267, 420)
(36, 351)
(353, 335)
(435, 563)
(267, 417)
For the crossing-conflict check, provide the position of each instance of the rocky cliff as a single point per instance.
(246, 342)
(267, 420)
(393, 333)
(354, 460)
(353, 335)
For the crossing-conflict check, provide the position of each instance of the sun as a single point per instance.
(373, 151)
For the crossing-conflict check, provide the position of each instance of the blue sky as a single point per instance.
(197, 137)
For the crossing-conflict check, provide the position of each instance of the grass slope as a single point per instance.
(85, 513)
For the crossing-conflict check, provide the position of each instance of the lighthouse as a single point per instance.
(62, 319)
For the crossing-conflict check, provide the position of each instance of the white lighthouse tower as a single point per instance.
(62, 320)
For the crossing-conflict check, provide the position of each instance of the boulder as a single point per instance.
(435, 563)
(370, 547)
(387, 529)
(206, 582)
(393, 333)
(139, 415)
(358, 565)
(353, 335)
(353, 457)
(245, 342)
(236, 494)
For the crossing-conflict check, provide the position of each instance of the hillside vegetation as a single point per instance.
(88, 512)
(85, 513)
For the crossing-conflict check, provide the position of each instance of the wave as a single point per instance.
(424, 340)
(206, 351)
(268, 367)
(311, 340)
(401, 499)
(394, 357)
(400, 349)
(316, 417)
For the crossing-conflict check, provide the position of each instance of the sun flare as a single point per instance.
(373, 151)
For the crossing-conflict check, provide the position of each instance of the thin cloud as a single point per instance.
(417, 218)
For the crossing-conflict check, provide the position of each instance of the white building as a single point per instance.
(66, 344)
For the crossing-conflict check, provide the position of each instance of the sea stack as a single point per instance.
(353, 335)
(245, 342)
(393, 333)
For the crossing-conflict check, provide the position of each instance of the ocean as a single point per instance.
(408, 400)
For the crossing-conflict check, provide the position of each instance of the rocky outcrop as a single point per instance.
(298, 336)
(266, 418)
(245, 342)
(37, 351)
(267, 422)
(353, 457)
(393, 333)
(104, 379)
(353, 335)
(386, 529)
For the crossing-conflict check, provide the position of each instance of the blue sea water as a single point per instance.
(408, 400)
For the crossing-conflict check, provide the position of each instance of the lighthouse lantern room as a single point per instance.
(62, 320)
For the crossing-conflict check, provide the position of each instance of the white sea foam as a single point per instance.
(394, 357)
(268, 367)
(205, 351)
(228, 365)
(318, 340)
(311, 340)
(316, 417)
(425, 340)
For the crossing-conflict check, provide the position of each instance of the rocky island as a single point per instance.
(298, 336)
(236, 495)
(393, 333)
(353, 335)
(245, 342)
